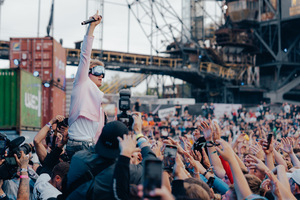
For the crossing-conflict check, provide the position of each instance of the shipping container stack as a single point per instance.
(46, 58)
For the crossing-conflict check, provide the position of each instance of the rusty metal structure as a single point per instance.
(251, 53)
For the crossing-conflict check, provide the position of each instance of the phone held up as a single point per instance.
(169, 157)
(152, 177)
(269, 140)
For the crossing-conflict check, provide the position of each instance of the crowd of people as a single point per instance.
(245, 154)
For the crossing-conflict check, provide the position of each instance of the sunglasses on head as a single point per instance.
(97, 71)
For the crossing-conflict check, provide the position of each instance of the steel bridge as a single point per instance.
(146, 64)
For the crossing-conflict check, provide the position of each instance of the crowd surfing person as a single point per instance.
(86, 118)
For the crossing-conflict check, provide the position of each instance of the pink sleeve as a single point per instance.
(84, 63)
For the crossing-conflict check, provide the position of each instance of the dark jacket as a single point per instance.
(102, 185)
(121, 178)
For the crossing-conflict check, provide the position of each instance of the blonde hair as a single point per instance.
(94, 62)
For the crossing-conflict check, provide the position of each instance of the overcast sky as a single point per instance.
(19, 18)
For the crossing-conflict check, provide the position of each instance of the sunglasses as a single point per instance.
(97, 71)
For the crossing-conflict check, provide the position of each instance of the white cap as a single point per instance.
(295, 176)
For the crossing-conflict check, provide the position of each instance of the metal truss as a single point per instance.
(158, 20)
(163, 26)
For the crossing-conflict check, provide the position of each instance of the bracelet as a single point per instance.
(140, 141)
(23, 170)
(49, 125)
(24, 176)
(205, 173)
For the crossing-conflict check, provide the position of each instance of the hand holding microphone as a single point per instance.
(94, 18)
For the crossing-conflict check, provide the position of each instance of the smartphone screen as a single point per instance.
(170, 157)
(152, 175)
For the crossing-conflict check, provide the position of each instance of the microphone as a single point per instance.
(16, 142)
(89, 21)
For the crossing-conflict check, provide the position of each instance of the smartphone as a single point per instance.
(210, 181)
(152, 176)
(199, 144)
(269, 139)
(182, 144)
(170, 157)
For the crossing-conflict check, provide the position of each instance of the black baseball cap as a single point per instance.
(108, 145)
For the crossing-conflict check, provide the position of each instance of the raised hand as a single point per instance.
(97, 17)
(127, 145)
(217, 133)
(264, 144)
(255, 163)
(273, 184)
(23, 160)
(173, 142)
(257, 151)
(241, 138)
(156, 148)
(227, 152)
(278, 145)
(57, 118)
(199, 156)
(207, 131)
(137, 124)
(287, 145)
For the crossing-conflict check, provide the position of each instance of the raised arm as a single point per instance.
(269, 153)
(213, 157)
(23, 191)
(240, 183)
(121, 177)
(41, 151)
(279, 160)
(288, 148)
(85, 55)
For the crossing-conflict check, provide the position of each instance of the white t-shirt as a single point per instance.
(83, 129)
(287, 108)
(174, 123)
(43, 190)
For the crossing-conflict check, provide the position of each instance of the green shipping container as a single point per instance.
(20, 100)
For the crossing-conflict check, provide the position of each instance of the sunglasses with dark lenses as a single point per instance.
(97, 71)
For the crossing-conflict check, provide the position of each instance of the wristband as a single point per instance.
(49, 125)
(140, 141)
(23, 170)
(24, 176)
(205, 173)
(138, 136)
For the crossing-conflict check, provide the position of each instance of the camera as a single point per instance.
(64, 123)
(124, 106)
(9, 168)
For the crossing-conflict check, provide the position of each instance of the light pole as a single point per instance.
(39, 15)
(1, 2)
